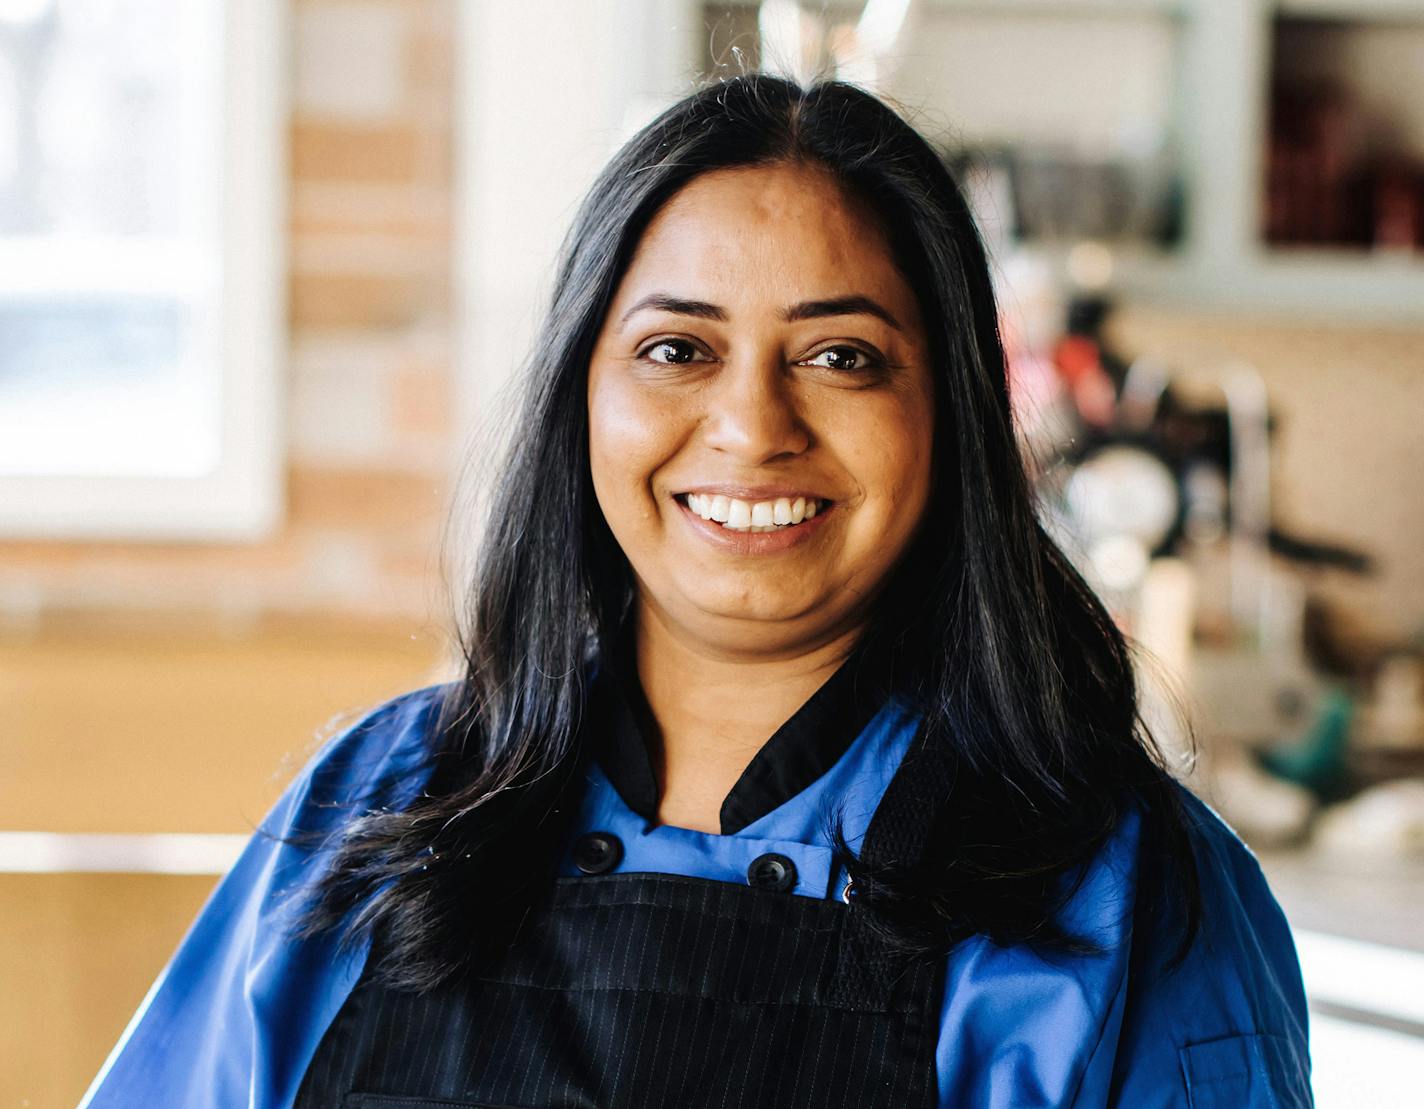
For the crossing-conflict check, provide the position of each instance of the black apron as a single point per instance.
(652, 990)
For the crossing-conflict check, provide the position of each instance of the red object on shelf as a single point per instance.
(1313, 180)
(1398, 206)
(1079, 361)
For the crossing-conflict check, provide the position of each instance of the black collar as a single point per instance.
(624, 733)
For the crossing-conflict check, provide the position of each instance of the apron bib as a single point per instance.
(652, 990)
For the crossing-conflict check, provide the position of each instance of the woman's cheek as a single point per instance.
(892, 468)
(627, 444)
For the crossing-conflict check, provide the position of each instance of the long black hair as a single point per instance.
(1025, 683)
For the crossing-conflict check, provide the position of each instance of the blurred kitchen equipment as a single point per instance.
(1166, 507)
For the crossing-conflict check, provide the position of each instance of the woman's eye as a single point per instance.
(670, 352)
(845, 359)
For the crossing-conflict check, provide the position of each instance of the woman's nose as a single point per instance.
(752, 412)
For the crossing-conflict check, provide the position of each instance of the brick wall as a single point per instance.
(369, 366)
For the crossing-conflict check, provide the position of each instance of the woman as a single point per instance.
(792, 763)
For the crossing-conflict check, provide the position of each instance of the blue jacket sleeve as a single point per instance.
(238, 1012)
(1118, 1028)
(1229, 1026)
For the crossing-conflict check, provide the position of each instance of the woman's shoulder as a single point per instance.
(379, 758)
(1126, 1022)
(1242, 928)
(1213, 837)
(394, 731)
(1240, 915)
(1232, 1004)
(245, 984)
(1229, 876)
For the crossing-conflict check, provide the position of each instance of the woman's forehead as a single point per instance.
(783, 232)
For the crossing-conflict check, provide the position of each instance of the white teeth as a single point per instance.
(758, 516)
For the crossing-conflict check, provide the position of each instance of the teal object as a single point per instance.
(1317, 759)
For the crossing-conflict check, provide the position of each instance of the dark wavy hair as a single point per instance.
(1026, 686)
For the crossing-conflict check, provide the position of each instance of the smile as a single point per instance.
(735, 514)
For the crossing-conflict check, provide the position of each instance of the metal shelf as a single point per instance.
(1067, 7)
(1358, 10)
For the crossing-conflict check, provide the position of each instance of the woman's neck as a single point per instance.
(714, 711)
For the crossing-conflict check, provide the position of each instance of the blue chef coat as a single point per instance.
(237, 1015)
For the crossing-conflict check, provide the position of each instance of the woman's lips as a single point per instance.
(749, 539)
(737, 513)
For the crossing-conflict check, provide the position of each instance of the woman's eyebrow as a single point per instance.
(853, 305)
(678, 306)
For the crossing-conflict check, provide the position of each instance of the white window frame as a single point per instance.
(242, 497)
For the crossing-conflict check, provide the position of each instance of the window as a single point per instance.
(141, 289)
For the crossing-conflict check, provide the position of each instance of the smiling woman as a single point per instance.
(792, 763)
(772, 373)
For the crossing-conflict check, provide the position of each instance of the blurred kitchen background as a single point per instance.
(266, 267)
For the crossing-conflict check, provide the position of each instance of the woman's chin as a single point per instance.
(759, 617)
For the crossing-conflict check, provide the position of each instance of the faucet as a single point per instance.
(1247, 416)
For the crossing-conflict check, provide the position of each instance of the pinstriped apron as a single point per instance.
(652, 990)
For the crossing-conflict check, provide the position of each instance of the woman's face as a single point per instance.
(762, 363)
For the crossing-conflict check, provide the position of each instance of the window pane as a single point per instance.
(110, 135)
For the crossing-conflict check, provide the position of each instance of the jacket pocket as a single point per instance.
(1257, 1071)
